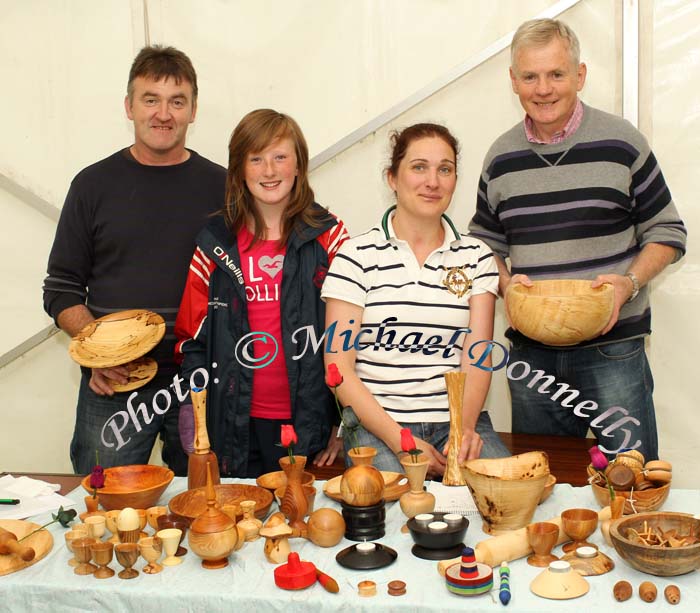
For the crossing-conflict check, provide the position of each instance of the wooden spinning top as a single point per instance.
(295, 574)
(469, 577)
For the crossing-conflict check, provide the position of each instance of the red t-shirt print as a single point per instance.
(262, 272)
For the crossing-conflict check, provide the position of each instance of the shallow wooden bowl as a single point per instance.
(661, 561)
(644, 500)
(507, 490)
(117, 338)
(136, 485)
(192, 503)
(560, 312)
(272, 481)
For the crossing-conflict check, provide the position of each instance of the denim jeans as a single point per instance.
(616, 376)
(434, 433)
(122, 436)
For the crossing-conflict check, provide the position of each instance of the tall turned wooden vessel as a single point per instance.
(362, 493)
(294, 503)
(202, 455)
(416, 500)
(213, 535)
(455, 397)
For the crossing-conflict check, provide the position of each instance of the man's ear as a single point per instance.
(127, 107)
(194, 110)
(513, 81)
(581, 76)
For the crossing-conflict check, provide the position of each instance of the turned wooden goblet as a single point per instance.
(152, 515)
(542, 536)
(171, 520)
(111, 523)
(579, 524)
(170, 538)
(81, 549)
(96, 525)
(71, 536)
(151, 547)
(127, 554)
(102, 556)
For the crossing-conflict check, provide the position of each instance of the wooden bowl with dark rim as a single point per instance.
(135, 485)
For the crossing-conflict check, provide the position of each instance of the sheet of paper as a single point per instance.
(36, 497)
(453, 499)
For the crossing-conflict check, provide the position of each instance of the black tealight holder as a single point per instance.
(442, 545)
(364, 523)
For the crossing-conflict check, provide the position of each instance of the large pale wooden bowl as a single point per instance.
(191, 504)
(507, 490)
(138, 486)
(643, 500)
(661, 561)
(560, 312)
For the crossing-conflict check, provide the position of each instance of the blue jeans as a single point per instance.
(615, 377)
(123, 431)
(434, 433)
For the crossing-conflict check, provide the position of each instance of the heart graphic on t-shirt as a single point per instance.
(271, 266)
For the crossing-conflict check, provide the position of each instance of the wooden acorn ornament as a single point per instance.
(672, 594)
(647, 591)
(622, 591)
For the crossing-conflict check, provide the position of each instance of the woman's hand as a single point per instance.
(333, 448)
(470, 449)
(436, 468)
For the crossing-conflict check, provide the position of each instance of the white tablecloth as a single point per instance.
(247, 584)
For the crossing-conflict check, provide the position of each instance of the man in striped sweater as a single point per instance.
(573, 192)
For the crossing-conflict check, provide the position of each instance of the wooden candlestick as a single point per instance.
(455, 397)
(202, 455)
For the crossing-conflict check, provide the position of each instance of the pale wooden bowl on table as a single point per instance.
(560, 312)
(656, 560)
(643, 500)
(136, 485)
(507, 490)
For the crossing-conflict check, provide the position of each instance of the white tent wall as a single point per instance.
(334, 66)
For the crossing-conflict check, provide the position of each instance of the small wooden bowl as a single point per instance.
(560, 312)
(644, 500)
(136, 485)
(661, 561)
(272, 481)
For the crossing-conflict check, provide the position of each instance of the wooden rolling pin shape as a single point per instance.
(9, 544)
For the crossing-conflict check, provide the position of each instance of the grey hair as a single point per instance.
(539, 32)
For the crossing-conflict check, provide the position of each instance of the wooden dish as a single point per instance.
(548, 488)
(661, 561)
(560, 312)
(192, 503)
(117, 338)
(644, 500)
(141, 371)
(41, 543)
(136, 485)
(272, 481)
(507, 490)
(395, 484)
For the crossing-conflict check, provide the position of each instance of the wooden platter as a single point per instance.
(141, 371)
(395, 484)
(117, 338)
(41, 542)
(192, 503)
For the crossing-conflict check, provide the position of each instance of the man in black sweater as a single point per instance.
(124, 241)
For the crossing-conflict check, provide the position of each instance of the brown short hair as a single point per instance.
(254, 133)
(401, 139)
(158, 62)
(539, 32)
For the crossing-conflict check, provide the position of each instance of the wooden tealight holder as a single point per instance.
(455, 396)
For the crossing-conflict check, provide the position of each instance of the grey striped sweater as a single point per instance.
(578, 209)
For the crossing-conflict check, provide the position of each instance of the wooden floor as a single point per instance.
(568, 458)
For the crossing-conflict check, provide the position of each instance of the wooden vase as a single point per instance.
(617, 508)
(362, 456)
(202, 454)
(455, 397)
(294, 504)
(91, 504)
(250, 525)
(213, 535)
(416, 500)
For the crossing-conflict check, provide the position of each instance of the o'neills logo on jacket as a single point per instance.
(229, 263)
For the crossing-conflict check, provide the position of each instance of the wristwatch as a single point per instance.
(635, 285)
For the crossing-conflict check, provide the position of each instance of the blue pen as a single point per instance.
(9, 500)
(504, 590)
